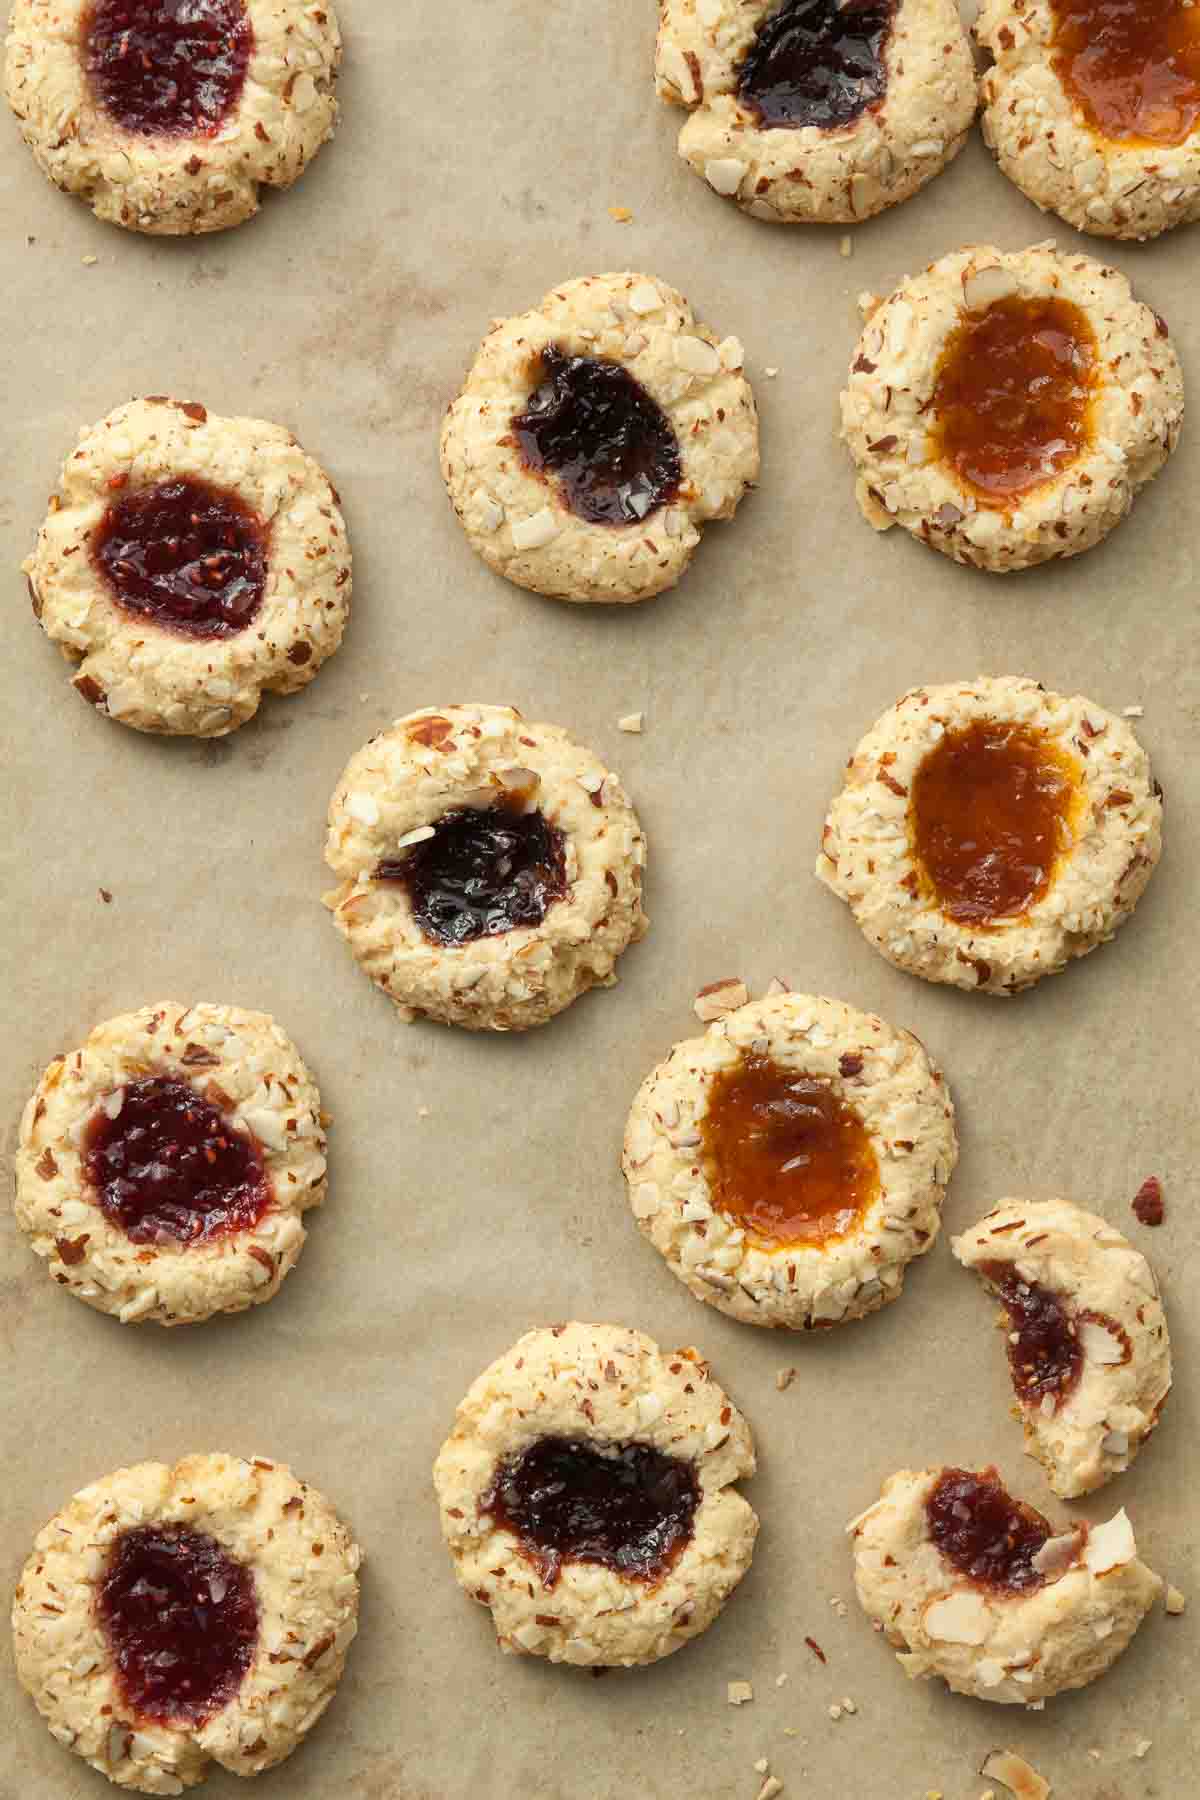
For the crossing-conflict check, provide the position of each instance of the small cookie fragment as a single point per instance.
(738, 1692)
(587, 1497)
(1175, 1602)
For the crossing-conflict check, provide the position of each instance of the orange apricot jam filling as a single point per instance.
(1012, 398)
(785, 1157)
(1131, 66)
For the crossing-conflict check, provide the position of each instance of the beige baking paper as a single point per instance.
(474, 1188)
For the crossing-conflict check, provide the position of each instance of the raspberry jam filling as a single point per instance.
(814, 62)
(627, 1507)
(984, 1533)
(167, 68)
(1131, 66)
(1044, 1351)
(181, 1617)
(186, 556)
(168, 1166)
(1012, 402)
(482, 873)
(991, 814)
(785, 1157)
(610, 445)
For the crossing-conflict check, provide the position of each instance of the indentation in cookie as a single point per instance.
(984, 1533)
(814, 62)
(482, 872)
(1131, 66)
(167, 68)
(189, 556)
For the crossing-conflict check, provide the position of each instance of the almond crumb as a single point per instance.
(1141, 1747)
(621, 214)
(849, 1706)
(89, 262)
(423, 1112)
(761, 1766)
(1174, 1601)
(846, 247)
(738, 1692)
(770, 1787)
(780, 1679)
(770, 374)
(835, 1711)
(785, 1377)
(631, 722)
(720, 997)
(1016, 1774)
(1133, 712)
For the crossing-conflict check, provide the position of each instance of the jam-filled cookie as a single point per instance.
(808, 111)
(163, 1167)
(169, 1618)
(189, 564)
(1006, 406)
(595, 436)
(1087, 1336)
(989, 831)
(971, 1584)
(587, 1496)
(790, 1163)
(1093, 109)
(171, 118)
(491, 870)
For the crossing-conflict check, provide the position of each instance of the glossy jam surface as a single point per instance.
(1045, 1358)
(483, 872)
(172, 68)
(814, 62)
(1131, 66)
(1012, 399)
(610, 445)
(990, 814)
(629, 1508)
(984, 1533)
(181, 1617)
(170, 1167)
(784, 1156)
(189, 557)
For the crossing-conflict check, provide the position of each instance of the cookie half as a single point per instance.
(807, 112)
(170, 1618)
(491, 870)
(790, 1163)
(1088, 1348)
(587, 1496)
(189, 564)
(1006, 406)
(968, 1583)
(163, 1168)
(171, 119)
(1093, 109)
(595, 436)
(989, 831)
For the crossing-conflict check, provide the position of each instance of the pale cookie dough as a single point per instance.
(519, 520)
(392, 795)
(1014, 1648)
(814, 173)
(1108, 1291)
(884, 1075)
(611, 1387)
(174, 183)
(1044, 142)
(305, 1572)
(156, 677)
(868, 857)
(1135, 412)
(243, 1064)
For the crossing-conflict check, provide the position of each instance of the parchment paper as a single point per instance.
(481, 147)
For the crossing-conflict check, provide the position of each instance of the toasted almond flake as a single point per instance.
(89, 262)
(1141, 1747)
(694, 355)
(770, 1787)
(983, 287)
(761, 1766)
(724, 174)
(1015, 1773)
(731, 353)
(420, 834)
(781, 1679)
(785, 1377)
(719, 998)
(1099, 1344)
(738, 1692)
(846, 247)
(490, 512)
(631, 722)
(1133, 712)
(621, 214)
(539, 528)
(1175, 1602)
(959, 1618)
(770, 374)
(1057, 1554)
(645, 298)
(112, 1103)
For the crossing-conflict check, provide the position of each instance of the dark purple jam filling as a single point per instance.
(986, 1534)
(814, 62)
(167, 68)
(186, 556)
(482, 873)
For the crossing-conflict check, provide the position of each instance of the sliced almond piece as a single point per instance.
(1111, 1545)
(1015, 1773)
(960, 1618)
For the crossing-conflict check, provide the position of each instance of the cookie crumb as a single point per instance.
(738, 1692)
(761, 1766)
(770, 1787)
(621, 214)
(1175, 1602)
(364, 698)
(1141, 1747)
(1016, 1774)
(785, 1377)
(835, 1711)
(780, 1679)
(1148, 1204)
(719, 998)
(106, 896)
(89, 262)
(1095, 1755)
(846, 247)
(631, 722)
(424, 1112)
(849, 1705)
(1133, 712)
(839, 1607)
(770, 374)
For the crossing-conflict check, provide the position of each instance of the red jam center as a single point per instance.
(1046, 1357)
(171, 68)
(189, 557)
(1131, 66)
(1012, 402)
(984, 1533)
(785, 1157)
(814, 62)
(628, 1507)
(482, 873)
(611, 446)
(170, 1167)
(181, 1617)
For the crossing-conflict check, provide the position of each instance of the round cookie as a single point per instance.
(595, 436)
(163, 1167)
(1088, 1349)
(491, 870)
(939, 418)
(1092, 108)
(809, 112)
(189, 564)
(172, 120)
(791, 1162)
(968, 1583)
(140, 1680)
(989, 831)
(587, 1496)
